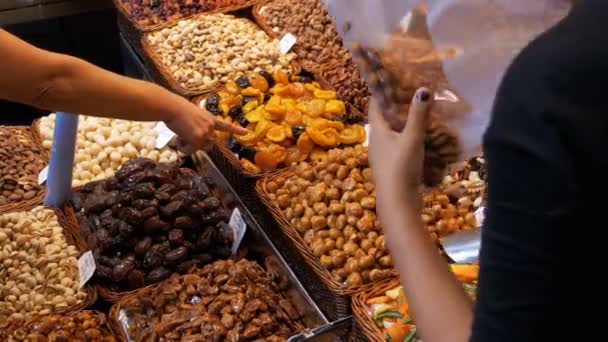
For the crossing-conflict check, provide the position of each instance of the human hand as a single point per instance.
(196, 128)
(397, 159)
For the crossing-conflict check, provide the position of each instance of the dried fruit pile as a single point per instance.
(318, 42)
(103, 145)
(151, 220)
(21, 159)
(224, 301)
(80, 326)
(202, 52)
(289, 121)
(332, 205)
(38, 267)
(153, 12)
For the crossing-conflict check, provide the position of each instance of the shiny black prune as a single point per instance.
(104, 239)
(155, 225)
(141, 204)
(176, 236)
(226, 233)
(133, 166)
(203, 259)
(210, 203)
(213, 99)
(235, 111)
(94, 203)
(201, 186)
(144, 190)
(120, 271)
(102, 271)
(172, 208)
(111, 184)
(89, 187)
(124, 229)
(211, 218)
(136, 279)
(296, 131)
(168, 188)
(233, 145)
(112, 198)
(177, 254)
(246, 99)
(183, 222)
(243, 82)
(182, 195)
(158, 274)
(143, 246)
(247, 153)
(242, 120)
(149, 212)
(152, 258)
(268, 77)
(131, 215)
(205, 240)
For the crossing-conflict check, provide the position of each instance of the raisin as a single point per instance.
(242, 120)
(268, 77)
(297, 131)
(247, 99)
(158, 274)
(177, 254)
(143, 246)
(243, 82)
(235, 111)
(213, 99)
(120, 271)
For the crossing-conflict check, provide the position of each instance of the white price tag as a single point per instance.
(43, 175)
(164, 135)
(480, 216)
(86, 267)
(287, 42)
(239, 227)
(262, 9)
(367, 130)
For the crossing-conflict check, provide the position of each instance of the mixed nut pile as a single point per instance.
(289, 121)
(203, 51)
(14, 191)
(318, 41)
(149, 221)
(103, 145)
(154, 12)
(79, 326)
(225, 301)
(332, 205)
(38, 268)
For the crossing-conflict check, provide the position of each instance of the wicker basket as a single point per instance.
(163, 76)
(23, 205)
(338, 293)
(72, 240)
(364, 327)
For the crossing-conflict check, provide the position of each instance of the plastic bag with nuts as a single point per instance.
(458, 48)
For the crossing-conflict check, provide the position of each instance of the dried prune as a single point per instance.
(235, 111)
(120, 271)
(131, 215)
(226, 233)
(242, 120)
(77, 201)
(210, 203)
(94, 203)
(206, 239)
(133, 166)
(267, 97)
(243, 82)
(296, 131)
(183, 222)
(201, 187)
(112, 198)
(103, 271)
(182, 196)
(168, 188)
(268, 78)
(186, 265)
(155, 225)
(144, 190)
(234, 145)
(176, 236)
(143, 246)
(152, 258)
(247, 153)
(104, 239)
(158, 274)
(125, 229)
(136, 279)
(213, 99)
(171, 209)
(177, 254)
(148, 212)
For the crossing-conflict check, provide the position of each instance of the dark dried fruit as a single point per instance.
(267, 97)
(131, 215)
(124, 229)
(158, 274)
(176, 236)
(143, 246)
(247, 153)
(184, 222)
(213, 99)
(120, 271)
(149, 212)
(247, 99)
(268, 77)
(136, 279)
(144, 190)
(177, 254)
(171, 208)
(243, 82)
(234, 145)
(210, 203)
(297, 131)
(155, 225)
(235, 111)
(242, 120)
(94, 203)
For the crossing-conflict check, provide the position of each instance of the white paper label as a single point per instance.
(164, 135)
(367, 130)
(43, 175)
(262, 9)
(239, 227)
(86, 267)
(287, 42)
(480, 216)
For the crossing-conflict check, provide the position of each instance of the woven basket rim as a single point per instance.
(360, 310)
(303, 249)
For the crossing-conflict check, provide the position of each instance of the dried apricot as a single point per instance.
(312, 86)
(270, 158)
(293, 118)
(318, 154)
(280, 76)
(294, 155)
(276, 134)
(251, 105)
(354, 134)
(255, 115)
(333, 107)
(316, 108)
(261, 128)
(258, 82)
(232, 87)
(325, 94)
(296, 89)
(249, 166)
(324, 123)
(305, 143)
(327, 137)
(280, 89)
(250, 92)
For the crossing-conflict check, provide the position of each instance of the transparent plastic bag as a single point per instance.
(458, 48)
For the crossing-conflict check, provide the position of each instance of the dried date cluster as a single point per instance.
(318, 42)
(153, 12)
(203, 51)
(149, 221)
(225, 301)
(103, 145)
(79, 326)
(332, 205)
(38, 268)
(451, 207)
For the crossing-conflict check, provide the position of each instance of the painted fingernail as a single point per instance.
(423, 95)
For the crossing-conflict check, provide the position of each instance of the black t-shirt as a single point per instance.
(547, 154)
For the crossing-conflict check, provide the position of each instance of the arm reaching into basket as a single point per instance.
(62, 83)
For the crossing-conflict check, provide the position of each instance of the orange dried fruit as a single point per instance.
(294, 155)
(249, 166)
(232, 87)
(280, 89)
(270, 158)
(293, 118)
(333, 107)
(281, 76)
(249, 106)
(258, 82)
(318, 154)
(315, 108)
(276, 134)
(325, 94)
(250, 91)
(296, 89)
(354, 134)
(305, 143)
(328, 137)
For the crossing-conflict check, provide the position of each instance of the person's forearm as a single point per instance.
(438, 303)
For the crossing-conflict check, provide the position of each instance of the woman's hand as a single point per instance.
(397, 158)
(196, 128)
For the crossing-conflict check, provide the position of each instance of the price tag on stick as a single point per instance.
(239, 227)
(287, 42)
(86, 267)
(164, 135)
(43, 175)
